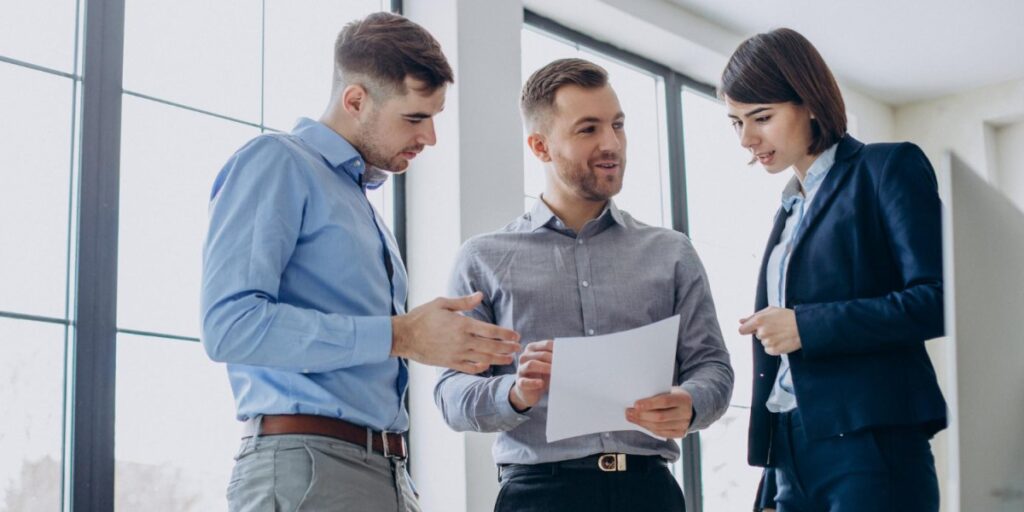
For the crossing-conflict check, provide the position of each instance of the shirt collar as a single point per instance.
(815, 175)
(541, 215)
(338, 152)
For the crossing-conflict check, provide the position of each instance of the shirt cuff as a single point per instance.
(506, 414)
(372, 340)
(701, 403)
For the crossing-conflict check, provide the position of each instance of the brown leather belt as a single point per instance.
(388, 444)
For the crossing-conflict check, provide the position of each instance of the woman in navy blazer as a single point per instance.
(845, 398)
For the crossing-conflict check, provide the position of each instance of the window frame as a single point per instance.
(90, 320)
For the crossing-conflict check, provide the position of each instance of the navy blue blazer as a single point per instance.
(865, 281)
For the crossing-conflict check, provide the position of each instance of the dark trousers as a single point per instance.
(571, 486)
(878, 469)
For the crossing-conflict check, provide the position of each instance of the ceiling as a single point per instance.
(896, 51)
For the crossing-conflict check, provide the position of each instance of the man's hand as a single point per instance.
(534, 375)
(776, 328)
(667, 415)
(436, 334)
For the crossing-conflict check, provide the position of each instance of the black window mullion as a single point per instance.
(92, 460)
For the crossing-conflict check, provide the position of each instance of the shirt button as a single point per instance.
(590, 332)
(606, 435)
(585, 284)
(580, 241)
(358, 163)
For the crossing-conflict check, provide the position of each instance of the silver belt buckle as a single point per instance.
(387, 448)
(611, 462)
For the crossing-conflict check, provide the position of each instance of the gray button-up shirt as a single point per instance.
(545, 281)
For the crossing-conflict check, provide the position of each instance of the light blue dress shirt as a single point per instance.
(296, 296)
(796, 199)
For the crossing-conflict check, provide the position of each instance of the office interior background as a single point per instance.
(117, 114)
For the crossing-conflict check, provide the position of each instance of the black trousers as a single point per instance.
(646, 486)
(886, 469)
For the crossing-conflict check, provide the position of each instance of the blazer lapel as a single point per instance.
(837, 175)
(761, 300)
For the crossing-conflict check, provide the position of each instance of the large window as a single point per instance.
(195, 88)
(39, 104)
(730, 207)
(184, 113)
(686, 170)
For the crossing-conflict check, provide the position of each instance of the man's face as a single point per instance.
(395, 130)
(586, 144)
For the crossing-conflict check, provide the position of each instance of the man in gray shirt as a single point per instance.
(576, 265)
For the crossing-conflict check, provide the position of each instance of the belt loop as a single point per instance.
(257, 425)
(369, 444)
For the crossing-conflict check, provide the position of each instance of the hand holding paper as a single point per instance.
(533, 375)
(667, 415)
(594, 379)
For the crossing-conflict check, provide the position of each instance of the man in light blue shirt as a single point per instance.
(304, 289)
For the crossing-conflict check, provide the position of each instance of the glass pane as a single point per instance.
(202, 54)
(34, 190)
(299, 55)
(727, 482)
(32, 394)
(644, 192)
(175, 432)
(169, 158)
(41, 32)
(730, 206)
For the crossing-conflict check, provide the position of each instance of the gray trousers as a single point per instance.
(286, 473)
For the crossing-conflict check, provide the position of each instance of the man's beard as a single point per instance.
(373, 151)
(587, 182)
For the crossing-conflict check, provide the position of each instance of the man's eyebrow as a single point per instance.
(417, 115)
(592, 119)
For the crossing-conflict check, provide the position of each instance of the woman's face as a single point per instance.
(777, 134)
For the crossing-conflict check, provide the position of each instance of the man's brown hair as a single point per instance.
(783, 66)
(382, 49)
(538, 99)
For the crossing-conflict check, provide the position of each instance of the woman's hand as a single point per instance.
(776, 328)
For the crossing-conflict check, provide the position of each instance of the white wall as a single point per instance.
(963, 123)
(1009, 157)
(984, 247)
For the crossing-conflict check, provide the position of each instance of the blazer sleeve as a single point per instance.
(912, 222)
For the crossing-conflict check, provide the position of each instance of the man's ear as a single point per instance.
(355, 100)
(538, 144)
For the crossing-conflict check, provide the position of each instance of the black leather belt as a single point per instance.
(602, 462)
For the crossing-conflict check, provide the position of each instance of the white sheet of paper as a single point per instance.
(594, 379)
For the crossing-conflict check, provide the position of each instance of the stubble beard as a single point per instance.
(587, 183)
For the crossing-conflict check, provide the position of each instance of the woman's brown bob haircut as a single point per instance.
(383, 48)
(783, 66)
(538, 99)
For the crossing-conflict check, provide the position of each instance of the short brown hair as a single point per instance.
(382, 49)
(783, 66)
(538, 99)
